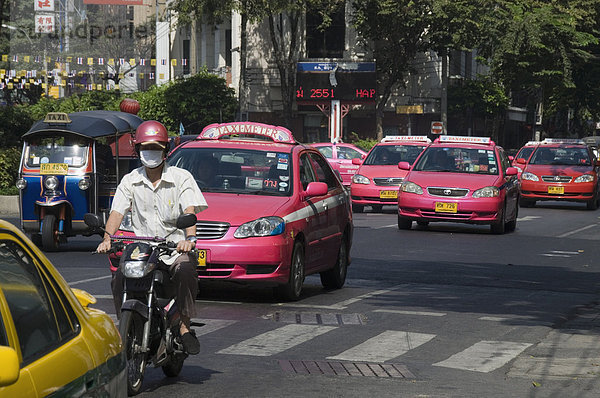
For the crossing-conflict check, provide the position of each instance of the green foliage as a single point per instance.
(364, 143)
(14, 121)
(481, 96)
(9, 169)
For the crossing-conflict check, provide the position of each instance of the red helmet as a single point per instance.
(153, 132)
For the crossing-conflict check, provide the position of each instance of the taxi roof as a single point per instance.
(405, 139)
(558, 142)
(464, 141)
(241, 143)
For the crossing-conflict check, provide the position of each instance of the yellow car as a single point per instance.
(51, 341)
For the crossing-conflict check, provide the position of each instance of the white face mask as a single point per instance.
(151, 159)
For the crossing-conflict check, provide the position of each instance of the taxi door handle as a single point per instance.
(325, 205)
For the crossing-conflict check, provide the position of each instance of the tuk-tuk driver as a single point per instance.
(156, 194)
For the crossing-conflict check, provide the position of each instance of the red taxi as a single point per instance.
(377, 180)
(560, 169)
(524, 153)
(340, 158)
(276, 210)
(460, 179)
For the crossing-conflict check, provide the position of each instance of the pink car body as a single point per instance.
(460, 179)
(377, 180)
(271, 202)
(340, 157)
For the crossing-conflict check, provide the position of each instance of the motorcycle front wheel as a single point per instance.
(131, 328)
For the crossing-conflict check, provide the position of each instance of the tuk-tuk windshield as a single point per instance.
(72, 150)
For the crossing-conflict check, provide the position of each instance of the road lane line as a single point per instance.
(555, 255)
(484, 356)
(385, 226)
(276, 341)
(387, 345)
(344, 304)
(576, 231)
(89, 280)
(563, 252)
(423, 313)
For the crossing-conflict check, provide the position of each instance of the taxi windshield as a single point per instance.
(391, 155)
(71, 150)
(569, 156)
(239, 171)
(458, 160)
(524, 153)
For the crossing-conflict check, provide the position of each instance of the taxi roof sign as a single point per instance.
(276, 133)
(562, 141)
(465, 139)
(413, 138)
(57, 118)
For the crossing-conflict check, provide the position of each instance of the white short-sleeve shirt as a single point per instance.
(154, 210)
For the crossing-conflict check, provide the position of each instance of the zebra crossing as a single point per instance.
(390, 345)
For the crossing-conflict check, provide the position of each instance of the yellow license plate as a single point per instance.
(201, 258)
(388, 194)
(558, 190)
(54, 168)
(446, 207)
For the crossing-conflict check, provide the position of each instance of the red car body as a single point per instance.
(377, 180)
(460, 179)
(560, 169)
(340, 158)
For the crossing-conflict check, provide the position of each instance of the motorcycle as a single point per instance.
(149, 322)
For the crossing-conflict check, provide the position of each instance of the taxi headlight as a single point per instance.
(264, 226)
(585, 178)
(487, 192)
(411, 187)
(84, 183)
(529, 176)
(360, 179)
(21, 183)
(51, 183)
(137, 269)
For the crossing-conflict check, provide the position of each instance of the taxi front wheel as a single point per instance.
(404, 223)
(291, 291)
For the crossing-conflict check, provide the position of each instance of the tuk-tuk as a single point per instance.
(70, 166)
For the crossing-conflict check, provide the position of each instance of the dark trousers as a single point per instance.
(184, 281)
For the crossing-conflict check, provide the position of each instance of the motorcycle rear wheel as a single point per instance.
(131, 328)
(173, 367)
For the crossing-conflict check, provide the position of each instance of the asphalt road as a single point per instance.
(447, 310)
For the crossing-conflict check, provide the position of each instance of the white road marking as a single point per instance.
(484, 356)
(493, 318)
(388, 345)
(424, 313)
(346, 303)
(89, 280)
(528, 218)
(276, 341)
(385, 226)
(555, 255)
(211, 325)
(564, 252)
(576, 231)
(103, 296)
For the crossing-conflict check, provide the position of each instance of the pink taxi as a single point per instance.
(460, 179)
(340, 157)
(377, 180)
(276, 211)
(523, 155)
(561, 169)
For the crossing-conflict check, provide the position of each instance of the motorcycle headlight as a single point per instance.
(137, 269)
(360, 179)
(51, 183)
(411, 187)
(529, 176)
(487, 192)
(84, 183)
(21, 183)
(265, 226)
(585, 178)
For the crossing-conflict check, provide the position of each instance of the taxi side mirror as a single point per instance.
(521, 161)
(404, 165)
(315, 189)
(511, 171)
(511, 158)
(357, 161)
(9, 371)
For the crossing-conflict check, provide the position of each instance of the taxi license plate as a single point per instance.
(201, 258)
(557, 190)
(54, 168)
(388, 194)
(446, 207)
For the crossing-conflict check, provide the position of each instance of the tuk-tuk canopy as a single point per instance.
(90, 124)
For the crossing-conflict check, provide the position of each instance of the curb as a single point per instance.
(9, 206)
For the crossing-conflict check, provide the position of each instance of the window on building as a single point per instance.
(228, 47)
(186, 57)
(328, 42)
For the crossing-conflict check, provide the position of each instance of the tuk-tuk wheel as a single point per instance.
(50, 233)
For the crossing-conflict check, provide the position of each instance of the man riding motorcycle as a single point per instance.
(156, 194)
